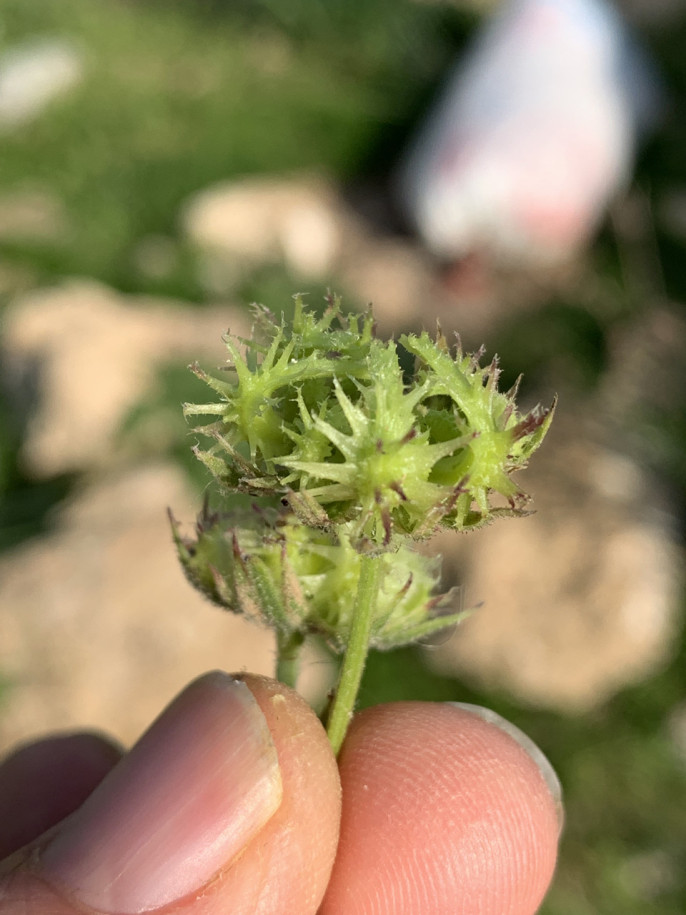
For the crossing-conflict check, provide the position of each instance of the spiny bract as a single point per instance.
(321, 413)
(273, 569)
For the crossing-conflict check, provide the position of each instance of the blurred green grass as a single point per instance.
(177, 97)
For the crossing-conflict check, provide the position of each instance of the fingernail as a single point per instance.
(194, 790)
(527, 744)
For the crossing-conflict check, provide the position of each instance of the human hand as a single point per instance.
(231, 802)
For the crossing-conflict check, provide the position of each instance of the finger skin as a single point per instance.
(285, 868)
(443, 814)
(43, 782)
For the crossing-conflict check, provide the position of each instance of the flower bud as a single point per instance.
(295, 578)
(322, 414)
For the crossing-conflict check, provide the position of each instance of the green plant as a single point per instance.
(348, 461)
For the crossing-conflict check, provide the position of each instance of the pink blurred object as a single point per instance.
(533, 136)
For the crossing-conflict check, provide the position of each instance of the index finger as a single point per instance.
(444, 813)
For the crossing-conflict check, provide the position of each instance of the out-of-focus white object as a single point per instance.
(32, 74)
(534, 134)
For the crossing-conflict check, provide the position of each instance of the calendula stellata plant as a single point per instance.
(348, 459)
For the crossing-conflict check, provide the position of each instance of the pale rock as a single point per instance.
(90, 354)
(98, 626)
(33, 74)
(253, 221)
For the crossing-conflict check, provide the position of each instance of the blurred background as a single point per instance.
(515, 169)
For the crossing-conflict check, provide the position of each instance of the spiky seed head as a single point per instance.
(321, 413)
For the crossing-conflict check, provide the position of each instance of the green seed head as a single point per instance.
(322, 414)
(273, 569)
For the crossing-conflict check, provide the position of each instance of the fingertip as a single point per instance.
(44, 781)
(302, 837)
(444, 814)
(541, 761)
(230, 800)
(288, 865)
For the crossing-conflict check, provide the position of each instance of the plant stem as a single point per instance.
(356, 651)
(288, 647)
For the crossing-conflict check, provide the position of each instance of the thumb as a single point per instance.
(229, 802)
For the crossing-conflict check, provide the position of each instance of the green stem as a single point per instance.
(288, 647)
(356, 651)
